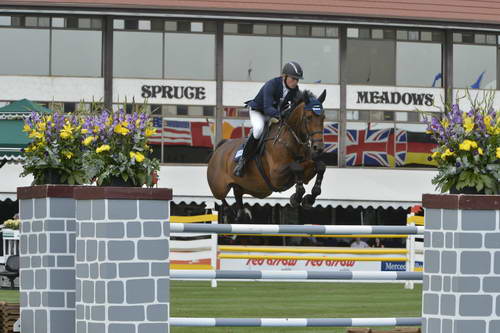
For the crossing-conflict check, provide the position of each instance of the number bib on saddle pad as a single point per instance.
(239, 153)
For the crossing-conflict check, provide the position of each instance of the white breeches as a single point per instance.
(258, 121)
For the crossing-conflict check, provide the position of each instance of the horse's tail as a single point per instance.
(221, 142)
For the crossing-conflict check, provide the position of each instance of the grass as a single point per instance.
(279, 299)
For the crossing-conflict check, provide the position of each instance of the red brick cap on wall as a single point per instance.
(93, 192)
(461, 201)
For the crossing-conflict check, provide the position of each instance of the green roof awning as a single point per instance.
(12, 137)
(23, 106)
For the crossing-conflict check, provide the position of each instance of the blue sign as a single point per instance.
(393, 266)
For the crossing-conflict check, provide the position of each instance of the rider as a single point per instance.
(271, 99)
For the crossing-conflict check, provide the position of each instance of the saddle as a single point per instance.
(259, 151)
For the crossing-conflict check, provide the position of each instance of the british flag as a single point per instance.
(400, 147)
(368, 147)
(331, 137)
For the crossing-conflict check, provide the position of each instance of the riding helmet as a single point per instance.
(293, 69)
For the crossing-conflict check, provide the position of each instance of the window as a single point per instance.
(481, 73)
(371, 56)
(318, 56)
(137, 54)
(251, 58)
(261, 52)
(76, 52)
(40, 45)
(183, 62)
(18, 55)
(164, 49)
(418, 59)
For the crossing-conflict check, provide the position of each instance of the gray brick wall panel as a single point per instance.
(477, 262)
(122, 209)
(478, 220)
(469, 326)
(153, 210)
(140, 291)
(475, 305)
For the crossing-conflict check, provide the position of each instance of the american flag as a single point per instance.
(368, 147)
(177, 132)
(331, 137)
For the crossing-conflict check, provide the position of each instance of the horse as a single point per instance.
(289, 153)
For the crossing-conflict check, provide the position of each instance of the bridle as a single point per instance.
(304, 128)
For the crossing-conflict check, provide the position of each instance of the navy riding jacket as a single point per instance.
(269, 97)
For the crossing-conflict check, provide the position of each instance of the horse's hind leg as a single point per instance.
(241, 216)
(298, 172)
(228, 210)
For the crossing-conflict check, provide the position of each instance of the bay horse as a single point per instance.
(288, 154)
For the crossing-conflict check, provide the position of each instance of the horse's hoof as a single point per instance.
(308, 202)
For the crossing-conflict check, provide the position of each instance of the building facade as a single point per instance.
(195, 63)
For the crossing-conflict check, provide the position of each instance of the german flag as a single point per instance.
(419, 149)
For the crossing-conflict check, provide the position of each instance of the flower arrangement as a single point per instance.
(115, 147)
(12, 224)
(468, 152)
(55, 149)
(98, 146)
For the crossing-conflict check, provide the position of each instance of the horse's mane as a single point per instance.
(303, 96)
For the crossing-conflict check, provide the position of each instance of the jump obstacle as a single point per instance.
(296, 275)
(118, 238)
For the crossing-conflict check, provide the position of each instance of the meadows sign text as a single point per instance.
(395, 98)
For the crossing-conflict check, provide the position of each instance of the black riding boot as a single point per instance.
(248, 151)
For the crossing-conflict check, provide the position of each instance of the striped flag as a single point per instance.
(177, 132)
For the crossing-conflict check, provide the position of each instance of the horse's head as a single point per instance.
(306, 119)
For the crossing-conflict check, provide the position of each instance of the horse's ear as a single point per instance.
(322, 97)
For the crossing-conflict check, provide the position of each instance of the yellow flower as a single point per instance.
(480, 151)
(435, 155)
(67, 154)
(41, 126)
(108, 121)
(67, 131)
(121, 130)
(149, 131)
(35, 134)
(96, 129)
(445, 123)
(498, 152)
(85, 131)
(137, 123)
(102, 148)
(88, 140)
(125, 123)
(446, 154)
(26, 128)
(137, 156)
(467, 145)
(468, 124)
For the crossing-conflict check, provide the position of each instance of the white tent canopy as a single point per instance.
(341, 187)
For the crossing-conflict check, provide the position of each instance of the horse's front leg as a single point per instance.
(298, 172)
(308, 201)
